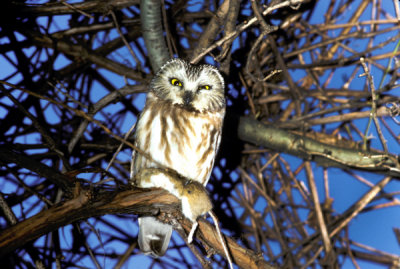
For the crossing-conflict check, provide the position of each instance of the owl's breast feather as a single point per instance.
(179, 139)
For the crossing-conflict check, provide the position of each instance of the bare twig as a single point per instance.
(373, 109)
(125, 41)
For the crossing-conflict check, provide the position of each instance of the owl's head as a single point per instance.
(193, 87)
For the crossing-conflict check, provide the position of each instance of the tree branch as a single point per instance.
(88, 203)
(253, 131)
(9, 156)
(150, 16)
(87, 6)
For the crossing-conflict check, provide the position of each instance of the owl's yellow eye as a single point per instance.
(205, 87)
(176, 82)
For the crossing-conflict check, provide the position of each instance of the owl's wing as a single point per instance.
(154, 236)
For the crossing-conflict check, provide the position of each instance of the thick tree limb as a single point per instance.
(240, 256)
(213, 28)
(253, 131)
(88, 203)
(150, 16)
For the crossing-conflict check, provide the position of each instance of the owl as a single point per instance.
(179, 129)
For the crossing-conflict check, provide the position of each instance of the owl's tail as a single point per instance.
(154, 236)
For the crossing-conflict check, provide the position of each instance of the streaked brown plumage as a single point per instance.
(180, 128)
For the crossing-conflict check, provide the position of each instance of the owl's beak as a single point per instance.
(187, 98)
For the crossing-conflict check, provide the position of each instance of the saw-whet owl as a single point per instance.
(180, 129)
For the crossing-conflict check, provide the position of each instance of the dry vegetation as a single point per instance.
(299, 116)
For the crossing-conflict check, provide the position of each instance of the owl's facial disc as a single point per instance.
(183, 94)
(191, 93)
(192, 87)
